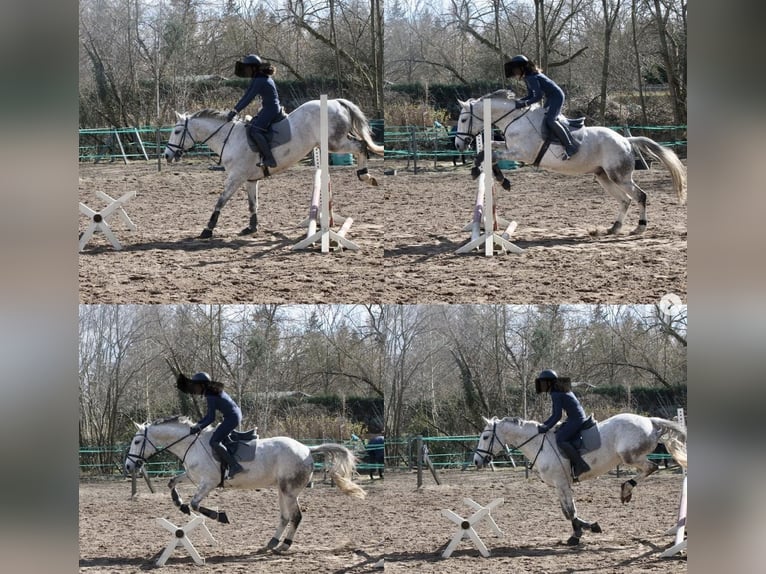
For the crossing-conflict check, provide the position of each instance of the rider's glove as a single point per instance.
(231, 115)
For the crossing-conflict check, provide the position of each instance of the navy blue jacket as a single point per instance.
(224, 403)
(566, 402)
(263, 86)
(539, 85)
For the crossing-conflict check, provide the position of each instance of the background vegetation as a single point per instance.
(620, 61)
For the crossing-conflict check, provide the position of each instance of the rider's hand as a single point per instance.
(542, 429)
(231, 115)
(520, 104)
(194, 430)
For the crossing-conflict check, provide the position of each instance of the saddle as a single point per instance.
(590, 436)
(278, 131)
(573, 124)
(242, 445)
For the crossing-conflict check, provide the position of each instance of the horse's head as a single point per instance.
(152, 438)
(489, 443)
(469, 123)
(140, 449)
(180, 139)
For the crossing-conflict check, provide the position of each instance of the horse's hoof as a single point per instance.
(573, 541)
(595, 528)
(373, 182)
(185, 508)
(248, 231)
(638, 230)
(506, 184)
(273, 543)
(206, 233)
(222, 518)
(475, 171)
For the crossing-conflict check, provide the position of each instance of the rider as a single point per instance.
(538, 86)
(563, 399)
(251, 66)
(217, 399)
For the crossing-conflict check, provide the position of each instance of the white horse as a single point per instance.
(293, 138)
(279, 462)
(603, 152)
(624, 439)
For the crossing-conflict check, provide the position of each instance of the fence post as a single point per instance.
(419, 455)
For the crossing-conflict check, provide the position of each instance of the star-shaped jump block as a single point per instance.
(180, 537)
(466, 526)
(98, 219)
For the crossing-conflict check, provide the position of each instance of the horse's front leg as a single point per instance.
(230, 186)
(566, 500)
(201, 493)
(252, 205)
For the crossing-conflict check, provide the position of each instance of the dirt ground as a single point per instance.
(408, 229)
(397, 522)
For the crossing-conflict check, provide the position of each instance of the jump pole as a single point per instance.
(484, 209)
(680, 543)
(325, 236)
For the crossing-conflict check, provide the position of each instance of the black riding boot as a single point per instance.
(579, 466)
(225, 456)
(563, 135)
(267, 158)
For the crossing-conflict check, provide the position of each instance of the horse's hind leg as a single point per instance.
(294, 511)
(623, 199)
(645, 468)
(639, 196)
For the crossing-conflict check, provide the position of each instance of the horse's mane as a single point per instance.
(174, 419)
(502, 94)
(210, 113)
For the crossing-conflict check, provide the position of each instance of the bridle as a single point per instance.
(179, 149)
(139, 459)
(488, 453)
(468, 136)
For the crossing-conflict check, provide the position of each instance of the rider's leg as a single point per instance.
(571, 452)
(258, 133)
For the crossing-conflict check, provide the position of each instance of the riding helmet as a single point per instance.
(545, 381)
(519, 61)
(201, 377)
(243, 68)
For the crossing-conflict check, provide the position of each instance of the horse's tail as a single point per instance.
(360, 127)
(669, 159)
(673, 435)
(342, 469)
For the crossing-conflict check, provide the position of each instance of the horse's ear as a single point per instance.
(486, 420)
(462, 103)
(179, 116)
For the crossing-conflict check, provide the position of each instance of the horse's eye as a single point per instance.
(136, 441)
(462, 121)
(485, 437)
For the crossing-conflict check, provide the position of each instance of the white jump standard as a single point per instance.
(466, 526)
(484, 215)
(180, 537)
(321, 208)
(98, 219)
